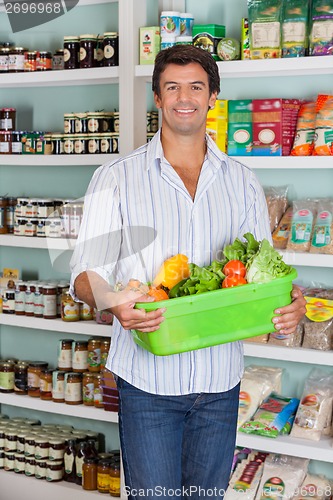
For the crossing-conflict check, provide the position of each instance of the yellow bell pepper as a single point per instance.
(172, 271)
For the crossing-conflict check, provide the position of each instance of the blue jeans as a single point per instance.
(177, 446)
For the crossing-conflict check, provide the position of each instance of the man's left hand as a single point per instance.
(290, 315)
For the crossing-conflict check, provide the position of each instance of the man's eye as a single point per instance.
(196, 87)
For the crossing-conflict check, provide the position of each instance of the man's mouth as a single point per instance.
(185, 111)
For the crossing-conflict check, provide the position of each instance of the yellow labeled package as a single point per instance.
(217, 124)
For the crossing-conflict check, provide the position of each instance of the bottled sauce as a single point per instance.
(65, 354)
(73, 388)
(103, 476)
(98, 391)
(80, 356)
(58, 387)
(94, 355)
(10, 214)
(88, 388)
(70, 310)
(105, 346)
(21, 378)
(80, 455)
(34, 371)
(3, 208)
(71, 52)
(7, 379)
(50, 301)
(46, 385)
(69, 461)
(114, 472)
(89, 473)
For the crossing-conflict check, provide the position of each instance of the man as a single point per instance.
(178, 413)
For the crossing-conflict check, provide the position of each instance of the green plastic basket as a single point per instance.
(211, 318)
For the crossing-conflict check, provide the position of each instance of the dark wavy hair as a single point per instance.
(183, 55)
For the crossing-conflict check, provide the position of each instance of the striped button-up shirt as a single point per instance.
(142, 196)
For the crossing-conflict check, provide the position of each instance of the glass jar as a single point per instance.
(81, 125)
(98, 391)
(95, 121)
(89, 474)
(94, 355)
(56, 449)
(116, 121)
(69, 461)
(71, 52)
(3, 211)
(88, 45)
(4, 59)
(10, 440)
(58, 387)
(103, 476)
(21, 378)
(57, 143)
(111, 49)
(58, 60)
(5, 142)
(40, 468)
(73, 388)
(7, 118)
(29, 445)
(81, 144)
(17, 142)
(69, 123)
(75, 219)
(29, 306)
(70, 310)
(54, 471)
(68, 141)
(39, 300)
(46, 385)
(20, 298)
(9, 461)
(62, 286)
(30, 62)
(50, 301)
(105, 347)
(34, 371)
(19, 465)
(8, 302)
(94, 144)
(10, 214)
(100, 52)
(86, 312)
(65, 354)
(41, 447)
(44, 61)
(7, 377)
(80, 356)
(114, 472)
(88, 388)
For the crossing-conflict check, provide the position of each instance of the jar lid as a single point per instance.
(32, 53)
(90, 460)
(45, 52)
(38, 364)
(5, 131)
(71, 37)
(111, 34)
(89, 36)
(70, 114)
(8, 109)
(82, 343)
(4, 49)
(186, 15)
(97, 113)
(19, 48)
(57, 441)
(81, 115)
(59, 51)
(170, 13)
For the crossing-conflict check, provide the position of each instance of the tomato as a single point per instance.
(230, 281)
(234, 268)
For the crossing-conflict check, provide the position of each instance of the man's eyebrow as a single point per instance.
(196, 82)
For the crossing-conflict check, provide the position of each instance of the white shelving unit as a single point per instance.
(71, 160)
(294, 354)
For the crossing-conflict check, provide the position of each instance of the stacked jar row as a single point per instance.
(91, 122)
(21, 59)
(91, 50)
(94, 143)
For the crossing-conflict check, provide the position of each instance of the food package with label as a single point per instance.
(321, 35)
(305, 130)
(217, 123)
(323, 139)
(302, 224)
(228, 49)
(240, 127)
(267, 127)
(322, 238)
(295, 14)
(149, 44)
(315, 407)
(265, 28)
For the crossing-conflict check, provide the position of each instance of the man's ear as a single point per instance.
(212, 100)
(157, 101)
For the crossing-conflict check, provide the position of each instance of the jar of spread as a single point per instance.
(7, 378)
(40, 468)
(114, 473)
(10, 440)
(100, 52)
(86, 312)
(19, 226)
(53, 227)
(80, 356)
(16, 59)
(94, 144)
(111, 49)
(29, 445)
(65, 354)
(19, 464)
(30, 465)
(80, 144)
(39, 300)
(56, 449)
(47, 144)
(89, 473)
(81, 123)
(40, 231)
(88, 45)
(4, 59)
(116, 121)
(58, 387)
(50, 301)
(20, 298)
(9, 461)
(71, 52)
(21, 378)
(44, 61)
(34, 371)
(45, 207)
(69, 144)
(17, 142)
(3, 210)
(20, 442)
(75, 219)
(66, 219)
(46, 385)
(105, 347)
(88, 388)
(95, 121)
(103, 476)
(106, 143)
(41, 447)
(62, 286)
(94, 355)
(57, 143)
(69, 123)
(7, 118)
(73, 388)
(70, 310)
(8, 302)
(30, 62)
(54, 471)
(5, 142)
(115, 143)
(58, 60)
(10, 214)
(98, 391)
(30, 299)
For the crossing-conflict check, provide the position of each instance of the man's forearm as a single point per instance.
(93, 290)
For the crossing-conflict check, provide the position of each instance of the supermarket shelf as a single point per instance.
(80, 411)
(9, 240)
(12, 483)
(286, 162)
(307, 259)
(263, 68)
(87, 76)
(56, 160)
(57, 325)
(304, 448)
(295, 354)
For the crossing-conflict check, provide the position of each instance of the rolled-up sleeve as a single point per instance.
(98, 244)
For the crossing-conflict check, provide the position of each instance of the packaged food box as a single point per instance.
(216, 317)
(149, 43)
(267, 127)
(240, 127)
(217, 123)
(207, 36)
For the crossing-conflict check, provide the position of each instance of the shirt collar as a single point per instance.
(214, 156)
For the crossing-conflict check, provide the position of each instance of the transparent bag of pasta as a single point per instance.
(322, 237)
(323, 138)
(304, 214)
(305, 130)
